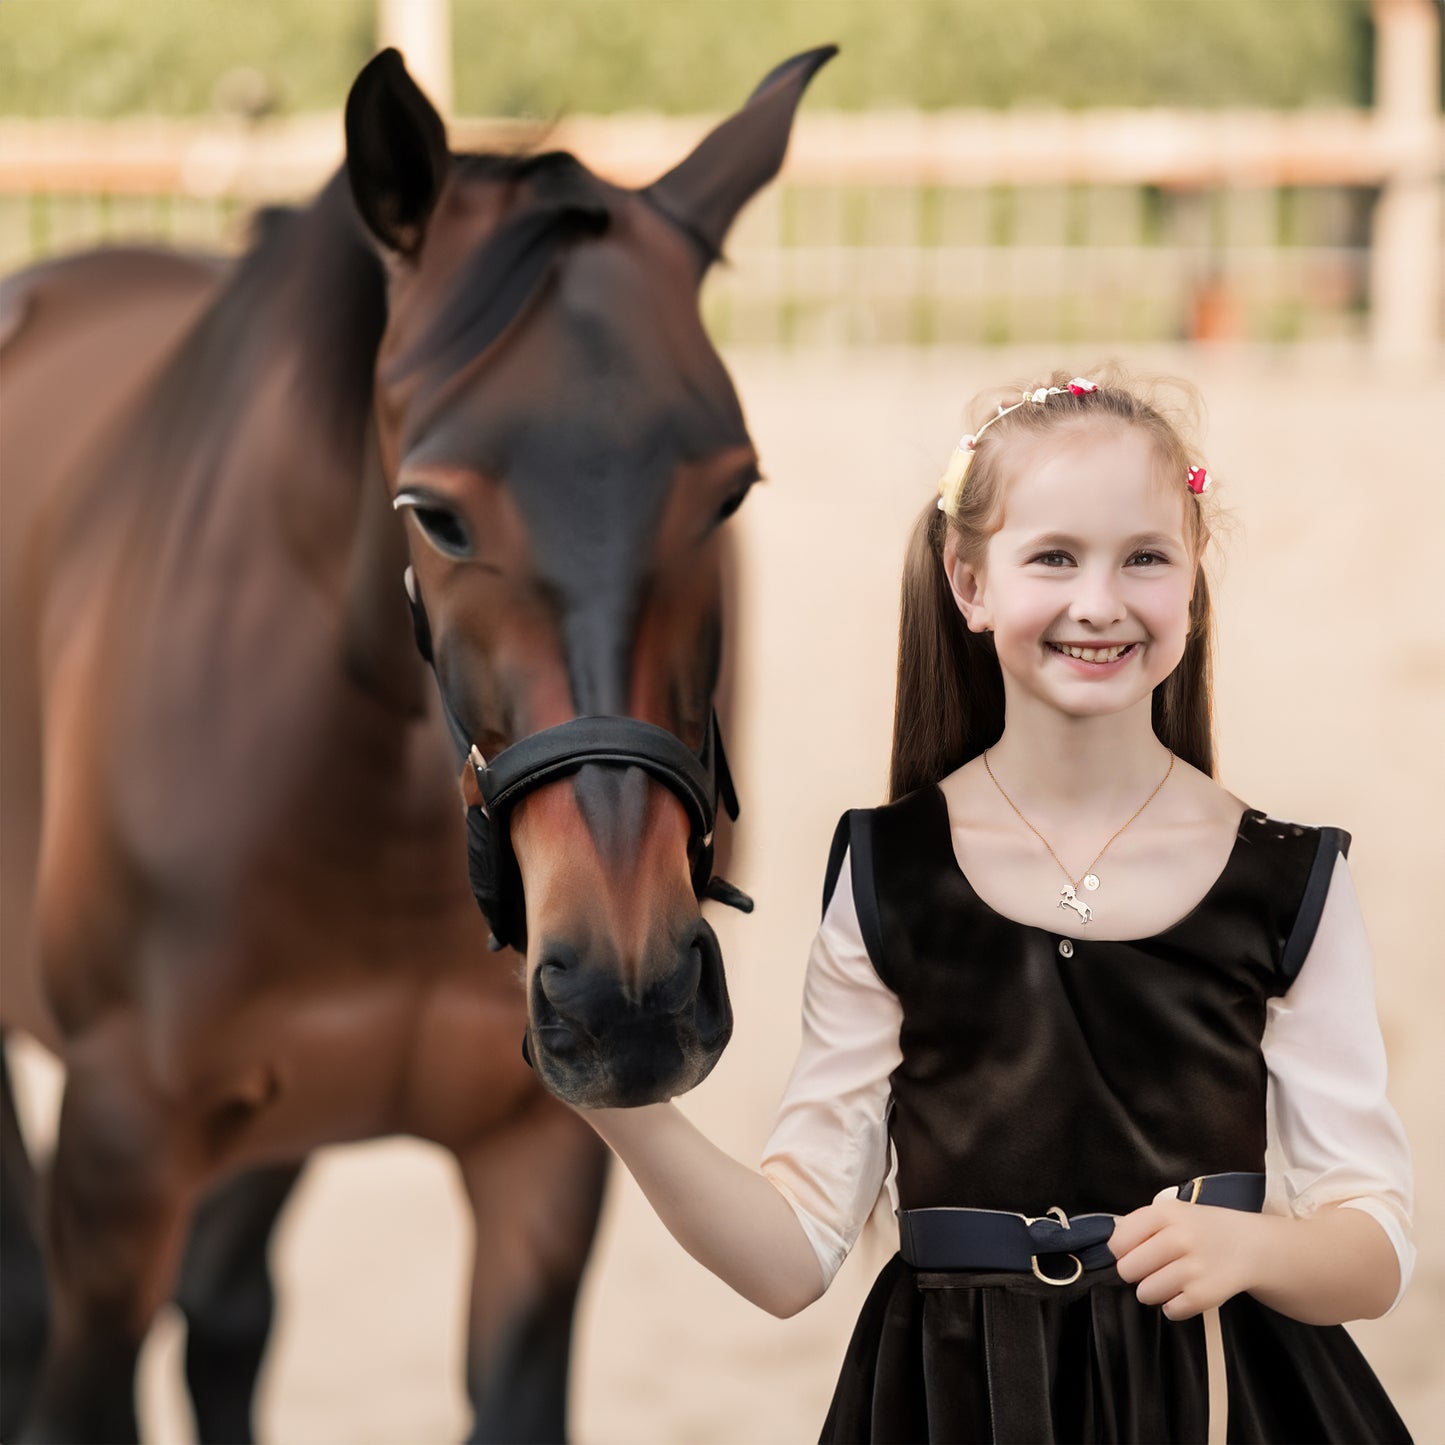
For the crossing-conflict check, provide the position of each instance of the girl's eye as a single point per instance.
(444, 530)
(1060, 559)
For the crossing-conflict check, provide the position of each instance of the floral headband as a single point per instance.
(951, 487)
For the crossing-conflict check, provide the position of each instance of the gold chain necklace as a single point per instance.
(1069, 895)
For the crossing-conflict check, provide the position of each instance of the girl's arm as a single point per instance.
(778, 1236)
(1336, 1244)
(1337, 1265)
(728, 1217)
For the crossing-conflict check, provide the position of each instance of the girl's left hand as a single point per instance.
(1187, 1258)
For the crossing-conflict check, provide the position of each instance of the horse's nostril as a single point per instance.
(557, 973)
(571, 997)
(679, 990)
(714, 1017)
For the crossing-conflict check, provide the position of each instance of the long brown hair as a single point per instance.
(949, 704)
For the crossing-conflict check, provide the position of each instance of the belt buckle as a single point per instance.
(1051, 1213)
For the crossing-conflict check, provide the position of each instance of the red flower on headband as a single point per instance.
(1079, 386)
(1198, 480)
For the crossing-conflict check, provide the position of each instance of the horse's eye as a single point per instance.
(444, 530)
(733, 502)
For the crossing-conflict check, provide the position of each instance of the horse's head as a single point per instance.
(565, 444)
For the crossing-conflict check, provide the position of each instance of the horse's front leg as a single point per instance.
(226, 1294)
(536, 1189)
(114, 1221)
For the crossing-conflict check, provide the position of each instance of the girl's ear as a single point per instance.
(966, 583)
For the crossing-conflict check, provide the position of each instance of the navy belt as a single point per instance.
(948, 1238)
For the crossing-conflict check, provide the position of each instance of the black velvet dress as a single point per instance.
(1089, 1079)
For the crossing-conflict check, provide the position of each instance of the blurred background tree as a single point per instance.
(544, 58)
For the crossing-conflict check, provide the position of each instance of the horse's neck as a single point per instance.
(377, 637)
(331, 305)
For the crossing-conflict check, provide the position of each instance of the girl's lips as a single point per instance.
(1093, 669)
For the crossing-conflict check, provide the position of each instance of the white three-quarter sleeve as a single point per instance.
(1333, 1137)
(828, 1151)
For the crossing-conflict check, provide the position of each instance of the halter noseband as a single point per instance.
(699, 781)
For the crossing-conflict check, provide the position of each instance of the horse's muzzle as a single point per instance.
(599, 1044)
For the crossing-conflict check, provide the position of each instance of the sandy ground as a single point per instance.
(1331, 700)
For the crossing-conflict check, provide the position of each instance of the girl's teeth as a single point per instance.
(1093, 654)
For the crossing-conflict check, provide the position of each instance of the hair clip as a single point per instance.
(951, 487)
(1198, 480)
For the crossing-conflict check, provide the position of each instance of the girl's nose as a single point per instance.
(1096, 600)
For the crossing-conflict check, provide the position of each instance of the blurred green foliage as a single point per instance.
(554, 57)
(180, 57)
(702, 55)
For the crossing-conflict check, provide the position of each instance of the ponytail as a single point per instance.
(1183, 705)
(949, 703)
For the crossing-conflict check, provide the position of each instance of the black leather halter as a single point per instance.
(699, 781)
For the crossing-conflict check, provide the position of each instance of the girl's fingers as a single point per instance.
(1182, 1307)
(1162, 1285)
(1132, 1229)
(1144, 1259)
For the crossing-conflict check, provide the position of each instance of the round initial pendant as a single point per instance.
(1091, 881)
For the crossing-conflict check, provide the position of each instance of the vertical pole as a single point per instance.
(422, 31)
(1405, 250)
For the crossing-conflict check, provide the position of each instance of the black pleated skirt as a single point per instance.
(1010, 1359)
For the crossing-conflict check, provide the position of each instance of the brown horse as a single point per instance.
(234, 899)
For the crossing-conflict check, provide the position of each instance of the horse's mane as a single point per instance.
(313, 281)
(325, 265)
(306, 303)
(494, 285)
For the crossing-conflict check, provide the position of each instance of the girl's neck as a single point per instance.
(1062, 765)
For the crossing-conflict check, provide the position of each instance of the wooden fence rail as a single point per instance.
(1105, 225)
(1177, 149)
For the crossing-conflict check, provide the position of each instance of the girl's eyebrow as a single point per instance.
(1065, 539)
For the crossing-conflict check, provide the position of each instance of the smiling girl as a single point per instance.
(1112, 1029)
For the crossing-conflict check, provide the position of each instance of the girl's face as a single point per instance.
(1092, 557)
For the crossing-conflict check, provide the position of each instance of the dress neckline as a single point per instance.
(1250, 815)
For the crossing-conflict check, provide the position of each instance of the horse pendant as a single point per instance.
(1069, 899)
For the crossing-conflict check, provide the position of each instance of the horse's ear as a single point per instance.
(735, 161)
(396, 152)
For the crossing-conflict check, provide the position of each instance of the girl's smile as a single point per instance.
(1094, 659)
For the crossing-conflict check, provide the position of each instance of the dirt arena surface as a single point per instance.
(1331, 703)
